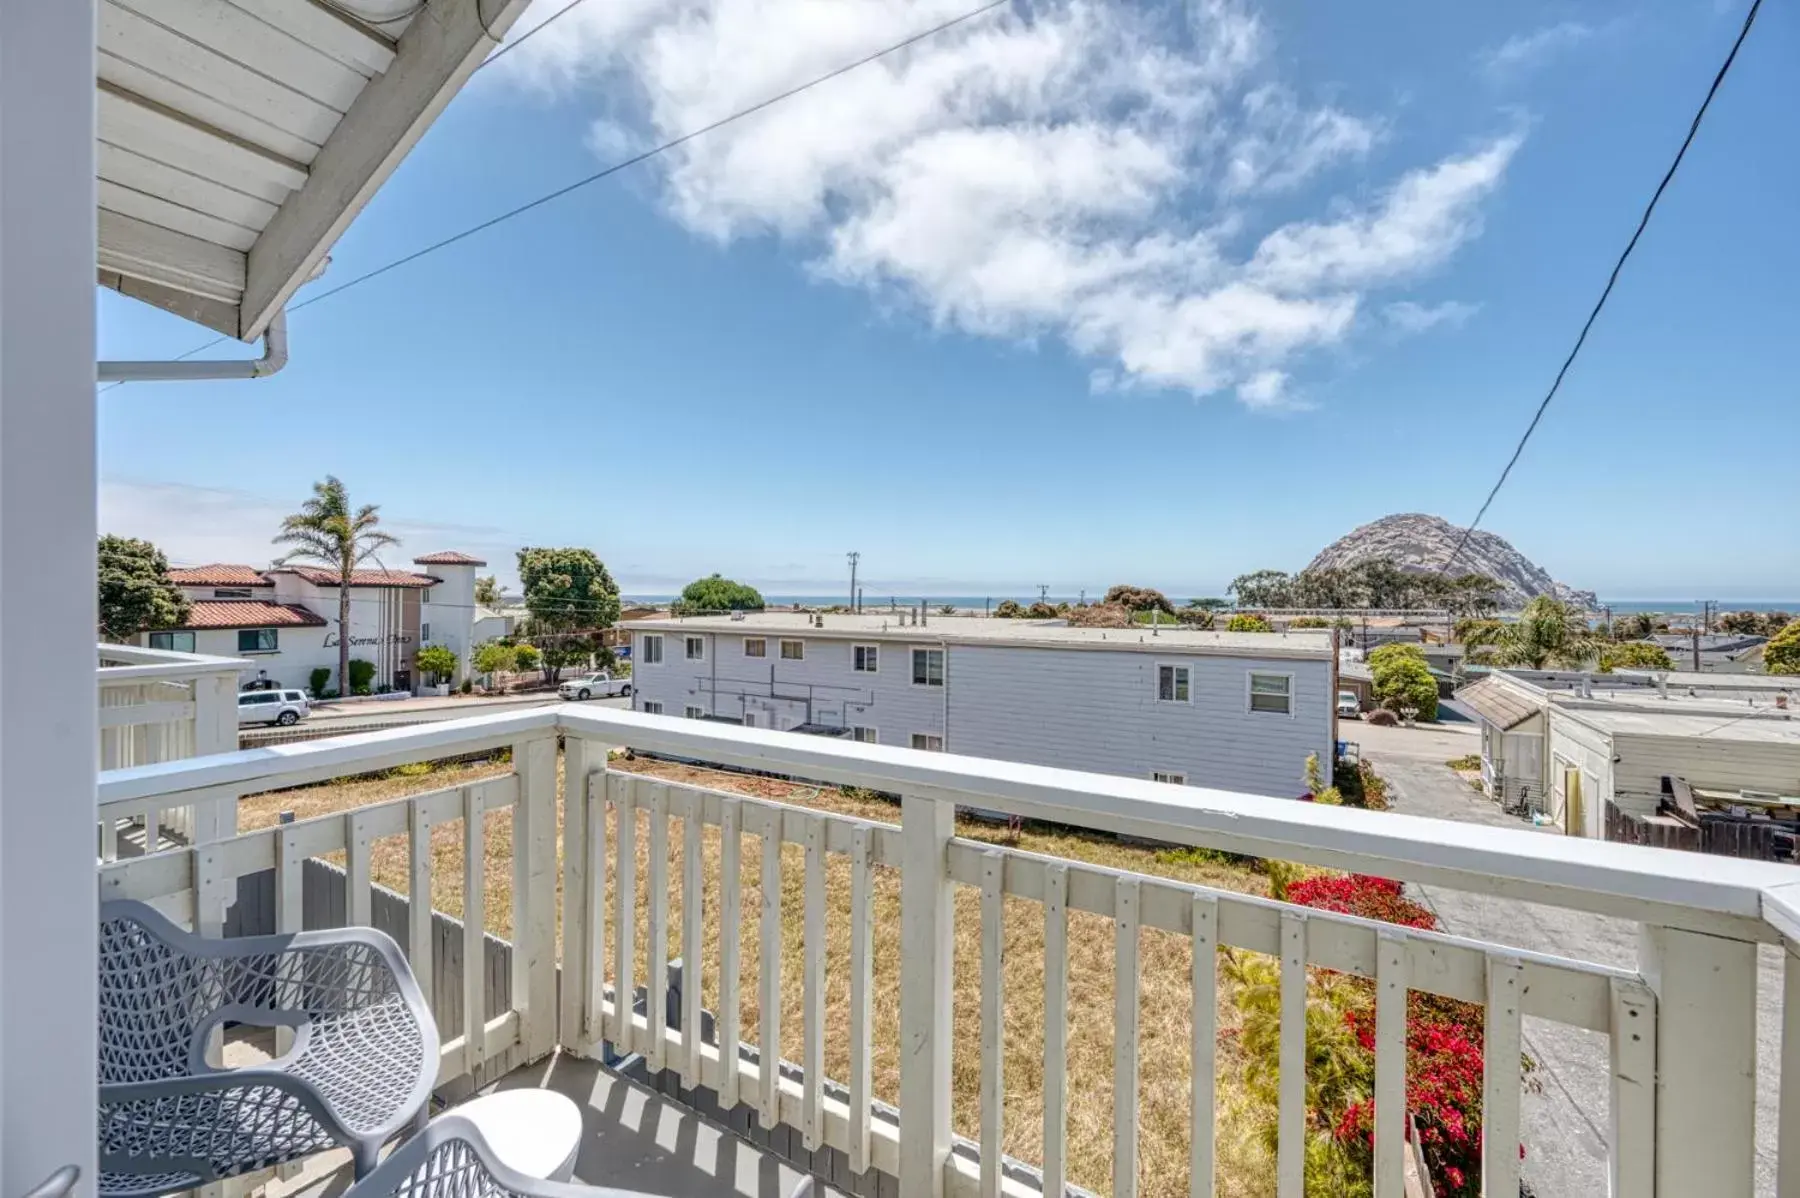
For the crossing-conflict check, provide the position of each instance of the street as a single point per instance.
(1565, 1108)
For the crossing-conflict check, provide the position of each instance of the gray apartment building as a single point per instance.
(1236, 711)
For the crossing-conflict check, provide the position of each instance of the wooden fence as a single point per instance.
(1720, 835)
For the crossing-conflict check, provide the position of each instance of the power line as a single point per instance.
(616, 167)
(1643, 221)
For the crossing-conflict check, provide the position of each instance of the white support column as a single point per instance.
(47, 593)
(1705, 989)
(926, 908)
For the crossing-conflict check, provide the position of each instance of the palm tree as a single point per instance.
(1547, 633)
(324, 530)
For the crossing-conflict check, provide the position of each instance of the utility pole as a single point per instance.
(1696, 632)
(1043, 592)
(854, 558)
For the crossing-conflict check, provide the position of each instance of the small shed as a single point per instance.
(1512, 740)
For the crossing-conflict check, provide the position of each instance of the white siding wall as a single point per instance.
(1083, 709)
(1589, 751)
(1075, 708)
(450, 614)
(729, 684)
(1728, 765)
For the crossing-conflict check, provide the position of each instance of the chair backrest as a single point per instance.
(153, 997)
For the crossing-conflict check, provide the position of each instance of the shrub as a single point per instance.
(1394, 652)
(1041, 611)
(1468, 761)
(1309, 622)
(1782, 654)
(1247, 622)
(362, 673)
(946, 609)
(1009, 609)
(317, 680)
(1139, 598)
(1381, 718)
(1360, 785)
(1196, 617)
(526, 657)
(1100, 615)
(468, 686)
(437, 660)
(1634, 655)
(493, 657)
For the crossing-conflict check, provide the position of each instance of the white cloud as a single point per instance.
(1077, 168)
(1407, 317)
(1527, 51)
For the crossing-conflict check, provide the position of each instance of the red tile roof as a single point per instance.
(448, 557)
(219, 574)
(250, 613)
(319, 576)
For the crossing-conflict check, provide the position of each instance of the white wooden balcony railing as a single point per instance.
(1681, 1028)
(160, 706)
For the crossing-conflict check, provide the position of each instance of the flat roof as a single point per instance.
(1757, 726)
(978, 630)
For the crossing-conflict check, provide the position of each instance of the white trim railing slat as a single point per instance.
(623, 789)
(813, 986)
(1290, 1148)
(656, 894)
(731, 923)
(862, 991)
(693, 908)
(1503, 1043)
(1204, 1081)
(769, 998)
(1632, 1159)
(1056, 1029)
(1125, 1039)
(993, 1018)
(1390, 1065)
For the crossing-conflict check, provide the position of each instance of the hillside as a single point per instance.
(1424, 543)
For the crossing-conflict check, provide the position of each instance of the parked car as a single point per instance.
(1348, 705)
(272, 707)
(594, 686)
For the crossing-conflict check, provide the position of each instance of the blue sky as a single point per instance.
(1089, 294)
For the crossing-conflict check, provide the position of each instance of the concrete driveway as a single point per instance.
(1565, 1119)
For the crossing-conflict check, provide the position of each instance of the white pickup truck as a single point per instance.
(594, 686)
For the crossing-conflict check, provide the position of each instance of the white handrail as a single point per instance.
(1692, 891)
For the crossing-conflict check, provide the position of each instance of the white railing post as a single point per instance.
(1705, 989)
(215, 731)
(926, 826)
(572, 1029)
(534, 896)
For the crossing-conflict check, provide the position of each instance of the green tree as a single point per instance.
(1209, 604)
(1474, 595)
(439, 661)
(1782, 654)
(1548, 633)
(715, 593)
(492, 657)
(1247, 622)
(1263, 588)
(526, 657)
(1139, 598)
(570, 597)
(1634, 655)
(1402, 679)
(325, 530)
(487, 591)
(135, 592)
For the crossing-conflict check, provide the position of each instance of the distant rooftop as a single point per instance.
(1724, 707)
(979, 630)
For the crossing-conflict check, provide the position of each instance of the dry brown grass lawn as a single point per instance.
(1165, 993)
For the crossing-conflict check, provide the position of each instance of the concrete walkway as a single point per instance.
(1565, 1108)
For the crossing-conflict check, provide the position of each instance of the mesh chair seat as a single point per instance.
(364, 1055)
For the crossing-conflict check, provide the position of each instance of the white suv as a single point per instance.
(272, 707)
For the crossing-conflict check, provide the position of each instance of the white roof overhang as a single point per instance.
(239, 138)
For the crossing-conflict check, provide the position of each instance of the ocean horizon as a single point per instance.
(981, 602)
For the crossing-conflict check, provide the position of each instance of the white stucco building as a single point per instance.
(285, 619)
(1241, 711)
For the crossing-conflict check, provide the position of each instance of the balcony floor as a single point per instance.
(632, 1138)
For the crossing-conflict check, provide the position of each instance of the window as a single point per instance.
(294, 696)
(653, 707)
(174, 642)
(925, 740)
(425, 597)
(231, 593)
(756, 646)
(865, 658)
(864, 736)
(653, 648)
(258, 640)
(694, 713)
(793, 650)
(1163, 776)
(425, 634)
(1272, 694)
(695, 647)
(1172, 684)
(928, 667)
(256, 698)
